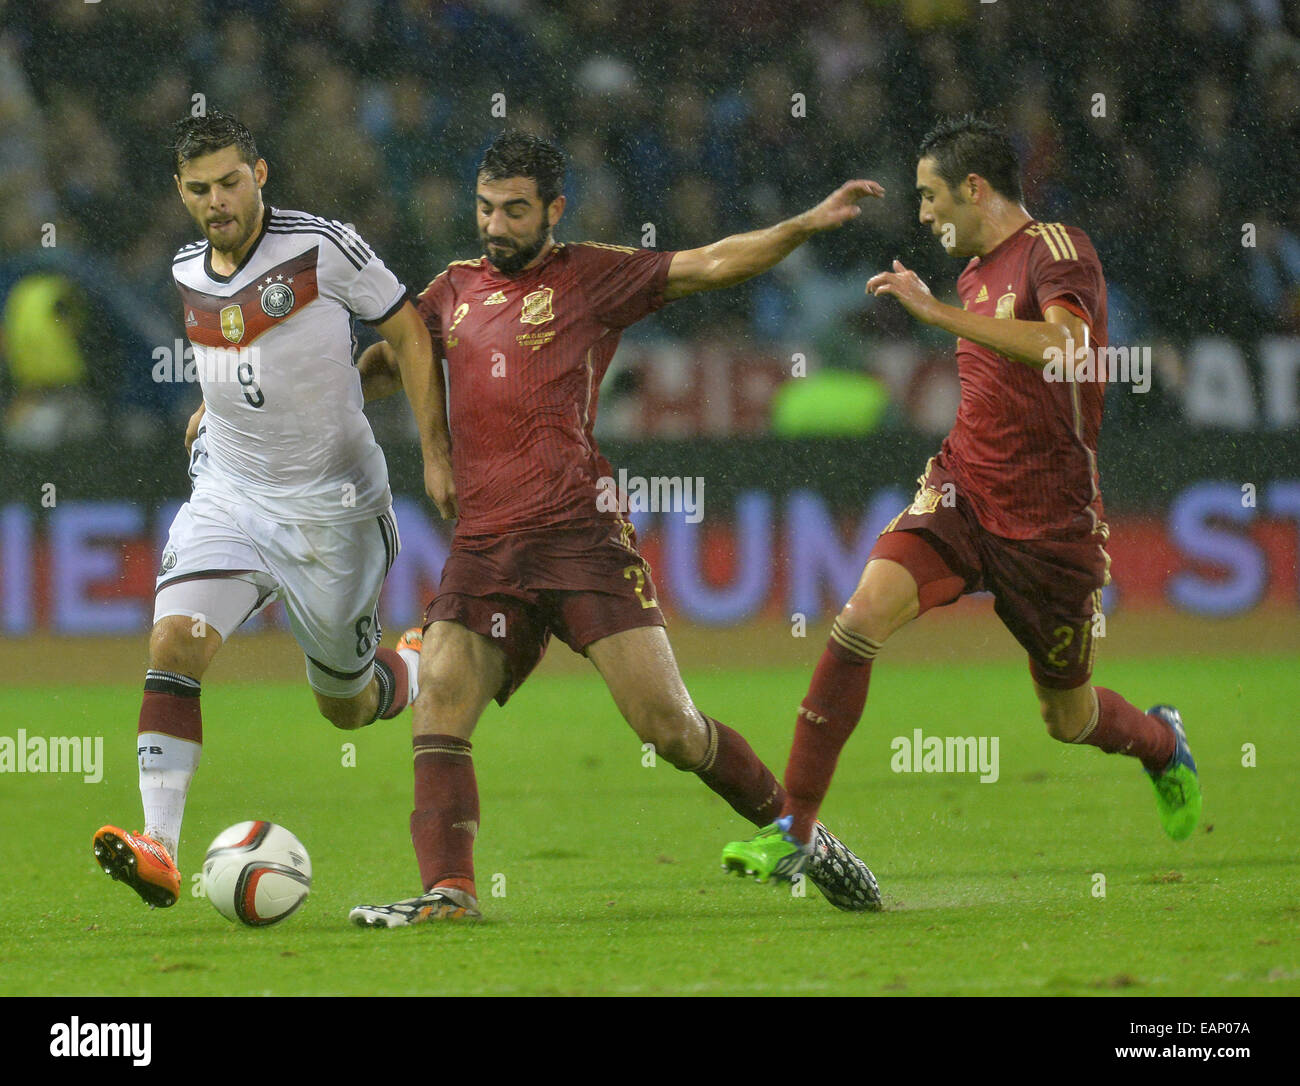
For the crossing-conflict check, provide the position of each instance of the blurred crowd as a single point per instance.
(1169, 132)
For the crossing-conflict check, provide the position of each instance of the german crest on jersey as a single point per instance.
(232, 323)
(277, 300)
(537, 307)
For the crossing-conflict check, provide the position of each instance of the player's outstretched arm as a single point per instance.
(409, 341)
(742, 256)
(1033, 342)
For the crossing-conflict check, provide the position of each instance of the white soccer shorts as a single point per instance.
(224, 562)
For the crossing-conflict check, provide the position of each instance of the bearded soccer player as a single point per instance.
(290, 492)
(1010, 504)
(528, 330)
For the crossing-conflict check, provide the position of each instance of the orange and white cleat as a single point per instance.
(140, 862)
(408, 648)
(413, 639)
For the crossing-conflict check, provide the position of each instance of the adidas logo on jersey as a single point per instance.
(983, 295)
(496, 299)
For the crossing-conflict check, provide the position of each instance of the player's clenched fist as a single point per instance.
(440, 485)
(842, 204)
(905, 285)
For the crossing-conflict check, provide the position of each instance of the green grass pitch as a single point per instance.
(606, 871)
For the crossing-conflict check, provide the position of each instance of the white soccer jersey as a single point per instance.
(273, 350)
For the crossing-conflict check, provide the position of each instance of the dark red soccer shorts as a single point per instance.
(581, 583)
(1046, 591)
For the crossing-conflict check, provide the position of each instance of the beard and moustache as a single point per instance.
(518, 255)
(234, 244)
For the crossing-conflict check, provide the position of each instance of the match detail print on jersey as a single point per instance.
(237, 320)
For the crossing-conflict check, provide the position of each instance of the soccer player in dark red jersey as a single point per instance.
(528, 330)
(1010, 504)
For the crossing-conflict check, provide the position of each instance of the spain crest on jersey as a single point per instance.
(537, 307)
(232, 323)
(1006, 307)
(926, 501)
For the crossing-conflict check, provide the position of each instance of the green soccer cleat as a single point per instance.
(769, 854)
(843, 879)
(1178, 788)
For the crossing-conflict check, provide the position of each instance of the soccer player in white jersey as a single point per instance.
(290, 491)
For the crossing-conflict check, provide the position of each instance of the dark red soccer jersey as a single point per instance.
(1024, 449)
(525, 357)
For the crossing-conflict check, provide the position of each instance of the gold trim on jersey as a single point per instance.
(890, 526)
(1056, 239)
(1067, 246)
(1041, 232)
(604, 245)
(476, 262)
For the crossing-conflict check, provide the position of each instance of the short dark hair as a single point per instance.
(965, 145)
(519, 154)
(194, 137)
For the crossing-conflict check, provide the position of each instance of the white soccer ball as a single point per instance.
(256, 873)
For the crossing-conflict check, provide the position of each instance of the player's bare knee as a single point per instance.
(1063, 724)
(868, 616)
(346, 713)
(174, 645)
(884, 601)
(676, 736)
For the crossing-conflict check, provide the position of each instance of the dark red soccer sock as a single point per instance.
(735, 772)
(445, 820)
(394, 683)
(170, 705)
(1122, 728)
(827, 717)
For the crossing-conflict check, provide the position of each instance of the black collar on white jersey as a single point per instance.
(207, 256)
